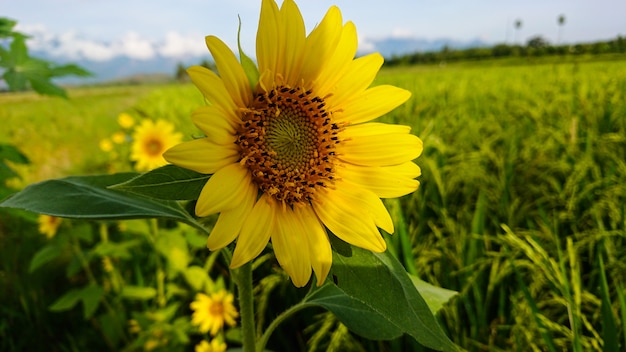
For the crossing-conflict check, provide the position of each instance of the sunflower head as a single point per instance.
(294, 154)
(48, 225)
(214, 346)
(150, 141)
(211, 312)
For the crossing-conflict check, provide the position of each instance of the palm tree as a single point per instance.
(561, 22)
(518, 26)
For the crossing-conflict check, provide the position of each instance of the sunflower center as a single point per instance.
(154, 147)
(216, 309)
(287, 140)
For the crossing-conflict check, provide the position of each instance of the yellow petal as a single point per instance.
(230, 70)
(267, 36)
(291, 246)
(321, 254)
(224, 190)
(385, 181)
(357, 77)
(363, 147)
(372, 129)
(321, 44)
(213, 89)
(372, 103)
(217, 127)
(255, 232)
(229, 223)
(293, 37)
(202, 155)
(351, 215)
(338, 63)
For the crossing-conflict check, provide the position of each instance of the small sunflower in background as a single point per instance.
(211, 312)
(150, 141)
(48, 225)
(214, 346)
(125, 120)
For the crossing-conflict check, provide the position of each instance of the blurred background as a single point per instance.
(116, 38)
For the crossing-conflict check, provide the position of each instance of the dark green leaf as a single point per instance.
(91, 297)
(43, 85)
(6, 27)
(69, 70)
(67, 301)
(169, 182)
(11, 153)
(377, 292)
(44, 256)
(359, 317)
(87, 197)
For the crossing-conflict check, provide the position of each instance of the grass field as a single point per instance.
(521, 208)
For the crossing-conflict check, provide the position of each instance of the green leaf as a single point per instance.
(6, 27)
(67, 301)
(173, 246)
(43, 85)
(434, 296)
(116, 250)
(138, 292)
(169, 182)
(44, 256)
(196, 277)
(252, 72)
(87, 197)
(11, 153)
(359, 317)
(69, 70)
(91, 297)
(375, 297)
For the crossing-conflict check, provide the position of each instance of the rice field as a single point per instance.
(521, 209)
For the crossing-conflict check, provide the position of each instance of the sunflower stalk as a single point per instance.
(243, 279)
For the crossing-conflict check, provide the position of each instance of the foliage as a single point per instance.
(536, 47)
(21, 71)
(521, 210)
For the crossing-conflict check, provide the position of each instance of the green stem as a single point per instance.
(279, 319)
(246, 306)
(160, 273)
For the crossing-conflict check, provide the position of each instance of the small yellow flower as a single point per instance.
(125, 120)
(150, 141)
(118, 137)
(48, 225)
(297, 154)
(211, 312)
(106, 145)
(214, 346)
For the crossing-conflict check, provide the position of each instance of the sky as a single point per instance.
(101, 29)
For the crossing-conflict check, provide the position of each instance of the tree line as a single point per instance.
(535, 47)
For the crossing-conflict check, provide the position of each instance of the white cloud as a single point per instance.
(177, 45)
(73, 45)
(402, 33)
(134, 46)
(366, 45)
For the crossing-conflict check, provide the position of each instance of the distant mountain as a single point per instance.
(121, 65)
(389, 47)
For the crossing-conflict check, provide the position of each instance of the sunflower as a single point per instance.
(294, 154)
(125, 120)
(150, 140)
(211, 312)
(48, 225)
(214, 346)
